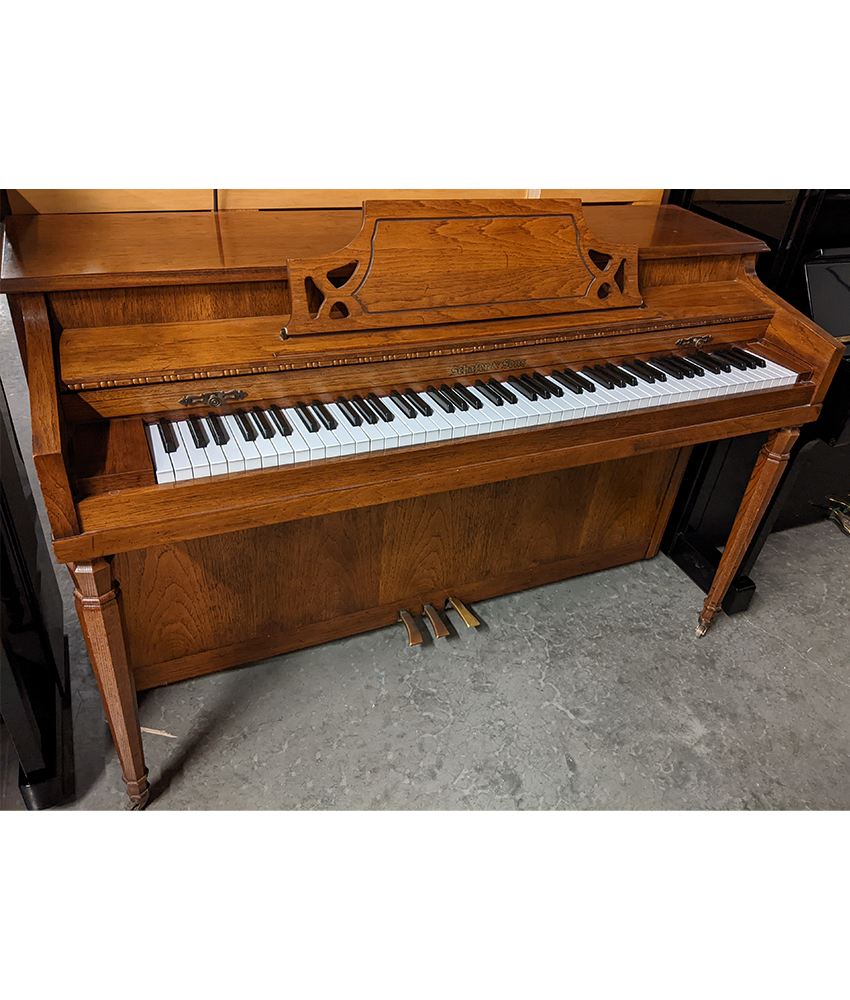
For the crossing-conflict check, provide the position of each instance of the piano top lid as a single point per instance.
(44, 253)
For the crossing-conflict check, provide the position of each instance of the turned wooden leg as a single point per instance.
(768, 470)
(100, 618)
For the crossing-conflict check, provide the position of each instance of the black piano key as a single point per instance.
(731, 359)
(585, 383)
(307, 418)
(489, 393)
(571, 381)
(599, 377)
(199, 435)
(642, 374)
(545, 383)
(677, 362)
(619, 371)
(351, 415)
(757, 361)
(217, 429)
(262, 422)
(502, 390)
(566, 382)
(521, 388)
(323, 415)
(706, 362)
(695, 368)
(279, 417)
(438, 398)
(618, 380)
(403, 405)
(457, 402)
(464, 393)
(380, 408)
(748, 359)
(245, 425)
(656, 373)
(529, 383)
(418, 402)
(364, 410)
(664, 365)
(724, 365)
(166, 432)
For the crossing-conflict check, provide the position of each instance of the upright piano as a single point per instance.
(258, 431)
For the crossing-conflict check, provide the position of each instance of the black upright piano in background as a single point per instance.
(35, 700)
(808, 232)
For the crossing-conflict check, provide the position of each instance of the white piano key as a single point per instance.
(216, 457)
(437, 420)
(489, 417)
(197, 457)
(467, 419)
(417, 430)
(358, 435)
(269, 456)
(161, 460)
(347, 444)
(231, 451)
(180, 459)
(400, 425)
(249, 450)
(301, 447)
(281, 444)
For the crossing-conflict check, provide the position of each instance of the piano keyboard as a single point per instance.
(259, 438)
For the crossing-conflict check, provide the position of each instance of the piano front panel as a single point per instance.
(280, 587)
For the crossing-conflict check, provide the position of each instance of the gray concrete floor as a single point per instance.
(591, 694)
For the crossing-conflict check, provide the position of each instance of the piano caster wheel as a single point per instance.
(703, 627)
(414, 636)
(437, 623)
(136, 805)
(466, 615)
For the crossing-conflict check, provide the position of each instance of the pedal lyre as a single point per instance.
(468, 617)
(414, 636)
(437, 623)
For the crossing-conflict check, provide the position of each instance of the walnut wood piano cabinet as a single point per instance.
(126, 319)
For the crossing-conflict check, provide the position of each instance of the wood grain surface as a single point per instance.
(262, 584)
(49, 252)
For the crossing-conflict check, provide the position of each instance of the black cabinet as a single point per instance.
(34, 684)
(808, 266)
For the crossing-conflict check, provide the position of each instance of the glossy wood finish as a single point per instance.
(426, 262)
(611, 196)
(329, 575)
(264, 198)
(55, 201)
(47, 422)
(121, 317)
(49, 252)
(101, 357)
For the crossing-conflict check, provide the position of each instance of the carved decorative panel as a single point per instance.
(416, 263)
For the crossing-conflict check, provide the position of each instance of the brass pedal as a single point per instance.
(437, 623)
(414, 636)
(468, 617)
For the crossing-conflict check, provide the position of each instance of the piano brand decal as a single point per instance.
(489, 366)
(694, 341)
